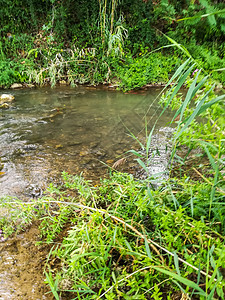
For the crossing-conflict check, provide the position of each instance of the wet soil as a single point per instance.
(21, 267)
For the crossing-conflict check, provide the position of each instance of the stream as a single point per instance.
(46, 131)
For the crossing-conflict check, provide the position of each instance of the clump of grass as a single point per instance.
(134, 244)
(126, 239)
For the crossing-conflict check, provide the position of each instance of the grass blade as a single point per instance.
(142, 164)
(222, 11)
(192, 204)
(176, 263)
(53, 284)
(179, 46)
(179, 71)
(189, 96)
(210, 103)
(149, 141)
(193, 115)
(135, 153)
(147, 249)
(183, 280)
(177, 88)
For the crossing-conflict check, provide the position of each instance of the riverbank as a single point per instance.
(22, 264)
(126, 237)
(52, 66)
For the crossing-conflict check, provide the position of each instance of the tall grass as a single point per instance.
(113, 33)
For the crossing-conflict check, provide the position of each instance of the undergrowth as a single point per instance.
(104, 41)
(128, 241)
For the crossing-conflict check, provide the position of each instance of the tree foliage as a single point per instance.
(114, 28)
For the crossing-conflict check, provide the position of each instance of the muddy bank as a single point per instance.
(21, 267)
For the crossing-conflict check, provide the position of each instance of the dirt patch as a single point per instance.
(21, 267)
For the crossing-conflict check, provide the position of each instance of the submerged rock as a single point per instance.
(62, 82)
(29, 85)
(157, 164)
(4, 105)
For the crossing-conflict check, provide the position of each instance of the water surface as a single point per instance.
(47, 131)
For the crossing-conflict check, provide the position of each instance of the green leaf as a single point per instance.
(142, 164)
(114, 235)
(114, 277)
(183, 280)
(210, 296)
(147, 249)
(150, 194)
(176, 262)
(135, 153)
(222, 11)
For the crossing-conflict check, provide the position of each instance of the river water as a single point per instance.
(47, 131)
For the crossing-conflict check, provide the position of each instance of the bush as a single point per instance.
(11, 72)
(153, 68)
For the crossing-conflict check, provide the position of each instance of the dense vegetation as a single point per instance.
(101, 41)
(126, 238)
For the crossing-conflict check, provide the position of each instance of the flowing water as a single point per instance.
(47, 131)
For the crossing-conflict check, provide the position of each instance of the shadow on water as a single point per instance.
(47, 131)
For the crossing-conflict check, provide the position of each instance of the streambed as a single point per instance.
(47, 131)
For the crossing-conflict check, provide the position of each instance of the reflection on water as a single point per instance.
(49, 130)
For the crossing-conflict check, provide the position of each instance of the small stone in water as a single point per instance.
(59, 146)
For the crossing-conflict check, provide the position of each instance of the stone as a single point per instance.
(6, 98)
(16, 86)
(1, 165)
(84, 153)
(4, 105)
